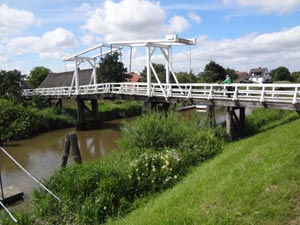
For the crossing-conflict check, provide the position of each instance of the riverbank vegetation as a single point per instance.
(24, 119)
(253, 181)
(93, 192)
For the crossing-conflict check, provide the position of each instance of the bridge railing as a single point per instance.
(280, 93)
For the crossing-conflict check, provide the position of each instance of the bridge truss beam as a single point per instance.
(151, 46)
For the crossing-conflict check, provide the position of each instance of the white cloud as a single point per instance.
(177, 24)
(5, 62)
(194, 17)
(50, 45)
(14, 21)
(267, 50)
(87, 39)
(131, 19)
(268, 6)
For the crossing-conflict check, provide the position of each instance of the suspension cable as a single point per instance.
(1, 186)
(3, 199)
(190, 61)
(130, 59)
(8, 212)
(30, 175)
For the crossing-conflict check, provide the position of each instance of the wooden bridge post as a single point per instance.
(80, 114)
(242, 121)
(229, 122)
(83, 123)
(59, 103)
(94, 103)
(211, 119)
(238, 123)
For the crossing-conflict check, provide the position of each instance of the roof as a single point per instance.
(258, 71)
(133, 77)
(64, 79)
(240, 76)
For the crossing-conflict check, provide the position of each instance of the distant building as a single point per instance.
(240, 76)
(259, 75)
(64, 79)
(133, 77)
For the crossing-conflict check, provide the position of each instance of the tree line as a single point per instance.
(18, 115)
(111, 69)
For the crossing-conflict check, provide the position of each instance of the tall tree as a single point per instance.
(14, 119)
(11, 84)
(281, 73)
(296, 76)
(37, 76)
(213, 72)
(111, 69)
(160, 70)
(184, 77)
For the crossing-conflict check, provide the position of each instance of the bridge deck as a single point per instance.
(281, 96)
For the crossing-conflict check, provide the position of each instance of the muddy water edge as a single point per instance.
(42, 155)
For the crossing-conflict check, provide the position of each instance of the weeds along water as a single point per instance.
(156, 151)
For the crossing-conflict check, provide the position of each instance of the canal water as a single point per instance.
(42, 155)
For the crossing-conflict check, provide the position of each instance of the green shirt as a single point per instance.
(227, 80)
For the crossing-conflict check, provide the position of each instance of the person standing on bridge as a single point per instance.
(228, 81)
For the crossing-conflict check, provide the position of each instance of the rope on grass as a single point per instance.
(29, 174)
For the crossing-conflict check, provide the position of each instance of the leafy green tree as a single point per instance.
(296, 76)
(14, 119)
(11, 84)
(111, 69)
(184, 77)
(213, 72)
(281, 73)
(160, 70)
(37, 76)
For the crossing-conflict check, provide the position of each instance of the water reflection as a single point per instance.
(41, 155)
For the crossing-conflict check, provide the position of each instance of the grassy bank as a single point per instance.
(253, 181)
(93, 192)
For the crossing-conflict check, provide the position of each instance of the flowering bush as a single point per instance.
(157, 153)
(153, 171)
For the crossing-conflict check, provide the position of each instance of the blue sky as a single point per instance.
(237, 34)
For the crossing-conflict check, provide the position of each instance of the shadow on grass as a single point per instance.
(251, 130)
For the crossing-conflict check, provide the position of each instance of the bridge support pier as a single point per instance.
(235, 124)
(82, 122)
(158, 106)
(58, 104)
(211, 119)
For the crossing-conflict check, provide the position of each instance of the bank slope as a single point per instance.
(254, 181)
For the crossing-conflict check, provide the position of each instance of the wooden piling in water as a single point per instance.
(71, 140)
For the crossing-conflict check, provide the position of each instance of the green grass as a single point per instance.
(254, 181)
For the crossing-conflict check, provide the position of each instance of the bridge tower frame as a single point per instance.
(151, 45)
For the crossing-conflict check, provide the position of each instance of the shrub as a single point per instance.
(93, 192)
(14, 120)
(50, 119)
(158, 131)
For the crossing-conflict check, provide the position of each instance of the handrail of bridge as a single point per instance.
(277, 93)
